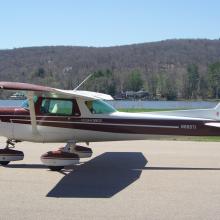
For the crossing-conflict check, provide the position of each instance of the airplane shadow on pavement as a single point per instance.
(102, 177)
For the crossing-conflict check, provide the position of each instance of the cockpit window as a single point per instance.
(99, 107)
(58, 107)
(25, 103)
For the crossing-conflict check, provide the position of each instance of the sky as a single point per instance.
(25, 23)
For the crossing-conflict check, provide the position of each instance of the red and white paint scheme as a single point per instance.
(72, 116)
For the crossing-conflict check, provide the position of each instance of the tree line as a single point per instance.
(171, 69)
(162, 85)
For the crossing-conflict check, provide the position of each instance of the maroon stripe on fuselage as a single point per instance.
(126, 128)
(115, 125)
(6, 114)
(131, 126)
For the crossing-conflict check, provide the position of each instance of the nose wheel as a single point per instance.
(7, 154)
(68, 155)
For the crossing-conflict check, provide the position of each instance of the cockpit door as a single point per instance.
(57, 115)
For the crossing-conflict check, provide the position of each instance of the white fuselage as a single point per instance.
(90, 127)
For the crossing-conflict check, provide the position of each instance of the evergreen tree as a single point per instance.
(214, 79)
(171, 89)
(192, 81)
(102, 81)
(134, 81)
(153, 85)
(203, 87)
(40, 72)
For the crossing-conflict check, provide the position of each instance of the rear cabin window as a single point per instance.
(59, 107)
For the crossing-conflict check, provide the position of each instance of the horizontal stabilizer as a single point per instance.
(213, 124)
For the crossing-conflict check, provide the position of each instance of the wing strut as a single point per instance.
(30, 96)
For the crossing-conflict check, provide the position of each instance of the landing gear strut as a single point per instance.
(7, 154)
(65, 156)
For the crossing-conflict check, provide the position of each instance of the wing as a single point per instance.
(83, 94)
(32, 90)
(53, 92)
(23, 86)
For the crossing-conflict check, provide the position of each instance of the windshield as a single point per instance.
(99, 107)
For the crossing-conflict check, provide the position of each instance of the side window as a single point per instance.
(58, 107)
(99, 107)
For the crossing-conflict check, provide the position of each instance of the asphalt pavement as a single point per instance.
(123, 180)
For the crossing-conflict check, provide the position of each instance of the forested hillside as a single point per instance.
(167, 69)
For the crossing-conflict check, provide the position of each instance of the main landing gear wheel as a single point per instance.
(7, 154)
(56, 160)
(65, 156)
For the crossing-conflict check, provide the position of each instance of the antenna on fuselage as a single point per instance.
(83, 81)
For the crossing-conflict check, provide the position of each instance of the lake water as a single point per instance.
(10, 103)
(140, 104)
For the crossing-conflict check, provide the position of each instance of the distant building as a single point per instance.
(133, 95)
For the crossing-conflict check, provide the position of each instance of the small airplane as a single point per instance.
(73, 116)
